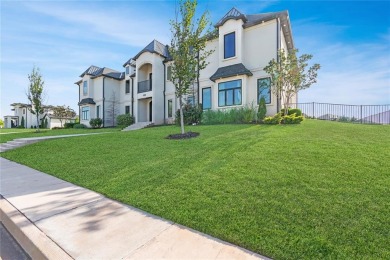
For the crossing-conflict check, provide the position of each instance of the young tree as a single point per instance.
(35, 93)
(262, 110)
(112, 109)
(1, 123)
(187, 49)
(290, 75)
(63, 112)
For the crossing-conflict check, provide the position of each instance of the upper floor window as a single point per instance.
(229, 93)
(85, 113)
(85, 88)
(229, 43)
(169, 73)
(127, 90)
(206, 98)
(264, 90)
(24, 111)
(127, 70)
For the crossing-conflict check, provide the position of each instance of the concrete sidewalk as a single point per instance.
(55, 219)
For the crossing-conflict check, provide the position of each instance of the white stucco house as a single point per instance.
(21, 110)
(243, 46)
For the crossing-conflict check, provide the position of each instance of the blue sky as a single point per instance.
(350, 39)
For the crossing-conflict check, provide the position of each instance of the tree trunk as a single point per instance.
(37, 122)
(181, 115)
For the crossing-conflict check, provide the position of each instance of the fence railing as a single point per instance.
(144, 86)
(365, 114)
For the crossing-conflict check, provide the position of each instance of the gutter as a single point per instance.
(197, 80)
(79, 105)
(278, 96)
(132, 97)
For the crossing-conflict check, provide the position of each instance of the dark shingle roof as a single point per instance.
(86, 101)
(229, 71)
(232, 14)
(153, 47)
(95, 72)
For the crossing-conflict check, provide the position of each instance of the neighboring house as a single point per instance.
(243, 45)
(30, 120)
(379, 118)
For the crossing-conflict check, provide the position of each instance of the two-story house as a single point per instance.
(234, 77)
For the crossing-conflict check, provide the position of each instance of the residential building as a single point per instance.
(243, 45)
(23, 117)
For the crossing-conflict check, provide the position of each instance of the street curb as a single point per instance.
(36, 244)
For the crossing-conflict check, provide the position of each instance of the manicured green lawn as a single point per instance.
(9, 134)
(310, 191)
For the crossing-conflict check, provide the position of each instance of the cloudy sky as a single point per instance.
(350, 39)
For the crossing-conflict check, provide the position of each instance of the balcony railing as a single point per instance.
(144, 86)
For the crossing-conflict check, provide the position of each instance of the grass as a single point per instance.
(9, 134)
(319, 190)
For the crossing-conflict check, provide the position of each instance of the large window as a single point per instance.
(264, 90)
(127, 90)
(206, 98)
(127, 109)
(229, 42)
(97, 111)
(85, 88)
(85, 113)
(170, 108)
(229, 93)
(169, 73)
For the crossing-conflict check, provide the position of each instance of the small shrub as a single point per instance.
(124, 120)
(20, 126)
(292, 119)
(295, 111)
(31, 127)
(46, 124)
(57, 127)
(273, 120)
(35, 126)
(262, 110)
(242, 115)
(192, 114)
(79, 126)
(96, 122)
(69, 125)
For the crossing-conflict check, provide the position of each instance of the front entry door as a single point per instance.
(150, 111)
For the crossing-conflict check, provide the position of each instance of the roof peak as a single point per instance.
(233, 13)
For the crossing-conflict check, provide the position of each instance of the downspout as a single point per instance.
(79, 106)
(103, 111)
(197, 80)
(132, 96)
(25, 126)
(278, 96)
(164, 88)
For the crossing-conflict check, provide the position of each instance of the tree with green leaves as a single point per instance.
(35, 93)
(262, 110)
(1, 123)
(63, 113)
(22, 122)
(290, 75)
(187, 49)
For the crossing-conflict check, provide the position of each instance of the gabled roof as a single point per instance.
(230, 71)
(153, 47)
(86, 101)
(95, 72)
(232, 14)
(255, 19)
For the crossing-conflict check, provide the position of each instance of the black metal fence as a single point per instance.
(364, 114)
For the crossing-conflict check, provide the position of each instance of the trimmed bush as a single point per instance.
(242, 115)
(291, 111)
(273, 120)
(192, 114)
(262, 110)
(79, 126)
(21, 122)
(56, 128)
(96, 122)
(124, 120)
(69, 125)
(292, 119)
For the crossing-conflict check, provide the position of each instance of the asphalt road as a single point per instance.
(9, 248)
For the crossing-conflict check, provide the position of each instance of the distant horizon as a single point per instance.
(63, 39)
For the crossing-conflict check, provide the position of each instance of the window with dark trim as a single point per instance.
(85, 88)
(127, 109)
(170, 108)
(229, 43)
(206, 98)
(127, 70)
(229, 93)
(264, 90)
(97, 111)
(85, 113)
(169, 73)
(127, 90)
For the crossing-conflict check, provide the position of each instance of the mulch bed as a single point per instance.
(182, 136)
